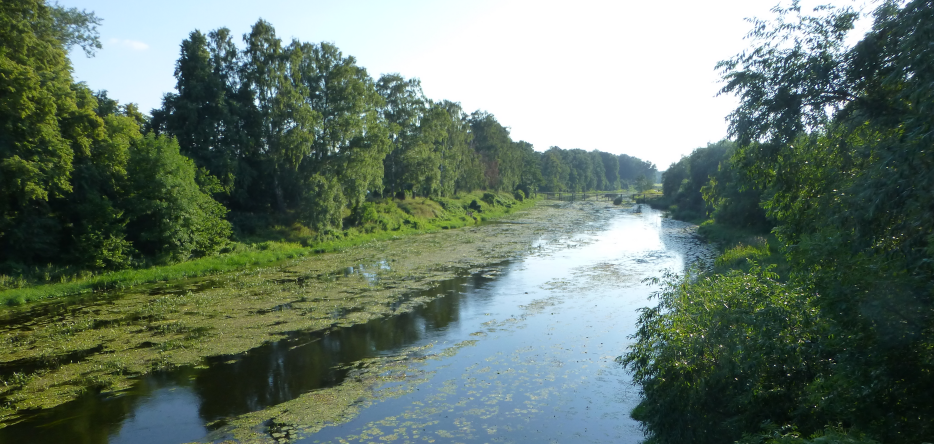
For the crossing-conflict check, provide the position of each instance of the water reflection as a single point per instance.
(139, 415)
(172, 407)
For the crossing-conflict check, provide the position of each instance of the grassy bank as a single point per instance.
(380, 220)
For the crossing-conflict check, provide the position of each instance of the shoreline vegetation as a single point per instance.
(739, 248)
(405, 217)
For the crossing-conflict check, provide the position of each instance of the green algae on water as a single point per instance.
(52, 353)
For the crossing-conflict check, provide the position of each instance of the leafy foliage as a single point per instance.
(718, 356)
(169, 217)
(80, 185)
(833, 142)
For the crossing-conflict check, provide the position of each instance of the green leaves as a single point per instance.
(168, 214)
(41, 124)
(719, 355)
(835, 140)
(794, 76)
(73, 27)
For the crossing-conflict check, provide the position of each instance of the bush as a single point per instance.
(366, 214)
(706, 357)
(169, 216)
(489, 198)
(830, 435)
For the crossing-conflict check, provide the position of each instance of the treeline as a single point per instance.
(834, 146)
(577, 170)
(299, 127)
(271, 133)
(707, 184)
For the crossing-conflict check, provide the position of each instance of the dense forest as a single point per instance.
(271, 132)
(832, 152)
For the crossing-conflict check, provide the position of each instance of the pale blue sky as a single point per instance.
(618, 76)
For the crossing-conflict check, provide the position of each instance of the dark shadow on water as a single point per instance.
(175, 406)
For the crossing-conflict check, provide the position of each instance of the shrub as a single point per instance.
(705, 357)
(489, 198)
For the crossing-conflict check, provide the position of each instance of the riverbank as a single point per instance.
(739, 248)
(388, 219)
(52, 352)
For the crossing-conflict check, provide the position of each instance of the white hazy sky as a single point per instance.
(618, 76)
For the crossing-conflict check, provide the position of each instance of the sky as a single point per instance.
(619, 76)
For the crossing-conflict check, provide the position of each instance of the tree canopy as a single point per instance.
(72, 188)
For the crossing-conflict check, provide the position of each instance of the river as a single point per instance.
(519, 351)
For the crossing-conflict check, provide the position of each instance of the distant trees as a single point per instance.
(577, 170)
(630, 168)
(555, 172)
(644, 184)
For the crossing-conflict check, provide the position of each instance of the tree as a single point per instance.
(352, 139)
(582, 175)
(460, 165)
(599, 171)
(207, 113)
(555, 171)
(684, 181)
(404, 105)
(168, 216)
(643, 184)
(611, 170)
(502, 164)
(42, 124)
(631, 167)
(719, 356)
(73, 27)
(531, 176)
(286, 121)
(837, 139)
(94, 212)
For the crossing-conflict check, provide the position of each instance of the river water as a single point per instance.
(531, 346)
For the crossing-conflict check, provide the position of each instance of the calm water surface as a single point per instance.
(547, 329)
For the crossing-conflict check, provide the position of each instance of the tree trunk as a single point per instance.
(280, 199)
